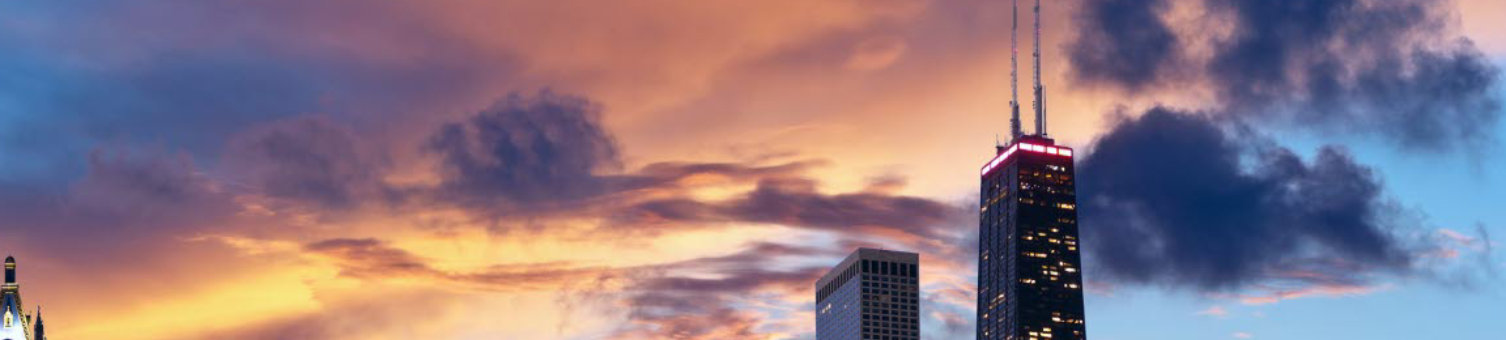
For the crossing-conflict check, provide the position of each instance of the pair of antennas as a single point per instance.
(1014, 87)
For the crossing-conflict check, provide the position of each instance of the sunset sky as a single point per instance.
(654, 169)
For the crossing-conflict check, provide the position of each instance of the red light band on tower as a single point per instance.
(1050, 150)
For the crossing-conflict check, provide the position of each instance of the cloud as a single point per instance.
(1176, 200)
(699, 298)
(375, 312)
(1330, 291)
(303, 121)
(668, 303)
(311, 160)
(526, 149)
(1122, 42)
(876, 54)
(1388, 69)
(129, 199)
(796, 202)
(547, 154)
(373, 259)
(1214, 311)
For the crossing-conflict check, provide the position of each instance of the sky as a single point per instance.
(342, 169)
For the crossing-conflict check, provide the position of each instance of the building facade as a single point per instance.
(1029, 267)
(871, 294)
(15, 324)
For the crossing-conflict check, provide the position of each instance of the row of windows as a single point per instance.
(889, 268)
(904, 316)
(905, 304)
(883, 313)
(879, 331)
(880, 282)
(1048, 203)
(889, 292)
(880, 299)
(901, 325)
(830, 287)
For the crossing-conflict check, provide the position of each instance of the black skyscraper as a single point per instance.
(1029, 273)
(1029, 270)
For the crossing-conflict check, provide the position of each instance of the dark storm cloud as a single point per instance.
(1124, 42)
(306, 159)
(527, 148)
(1387, 68)
(1174, 199)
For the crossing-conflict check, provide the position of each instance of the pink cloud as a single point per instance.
(1322, 290)
(1214, 311)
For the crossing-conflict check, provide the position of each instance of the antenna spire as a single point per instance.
(1040, 91)
(1014, 70)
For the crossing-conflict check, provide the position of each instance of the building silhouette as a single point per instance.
(1029, 267)
(872, 294)
(1029, 263)
(14, 323)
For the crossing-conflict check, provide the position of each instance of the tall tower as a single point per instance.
(872, 294)
(14, 324)
(1029, 267)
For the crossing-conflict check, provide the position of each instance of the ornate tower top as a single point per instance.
(10, 270)
(16, 324)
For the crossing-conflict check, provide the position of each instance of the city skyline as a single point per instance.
(578, 169)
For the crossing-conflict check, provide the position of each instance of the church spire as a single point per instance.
(37, 331)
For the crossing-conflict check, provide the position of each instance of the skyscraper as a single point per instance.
(1029, 267)
(872, 294)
